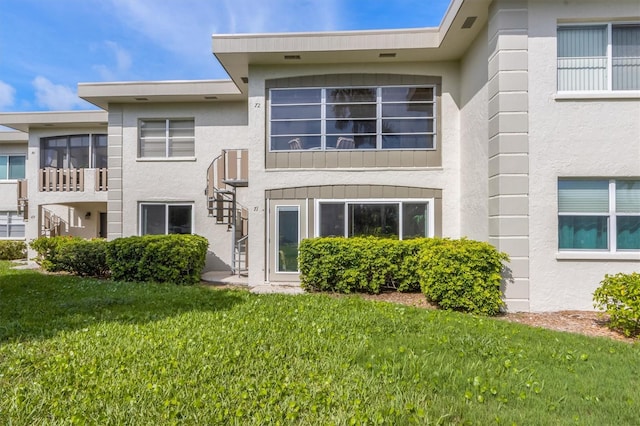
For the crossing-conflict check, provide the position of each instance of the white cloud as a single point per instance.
(55, 96)
(7, 93)
(258, 16)
(185, 27)
(122, 60)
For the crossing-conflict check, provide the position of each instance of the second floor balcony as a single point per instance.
(73, 163)
(72, 180)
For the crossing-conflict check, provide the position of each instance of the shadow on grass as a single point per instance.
(35, 305)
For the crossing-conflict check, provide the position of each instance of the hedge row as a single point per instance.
(460, 275)
(12, 250)
(159, 258)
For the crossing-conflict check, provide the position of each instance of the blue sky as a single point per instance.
(48, 46)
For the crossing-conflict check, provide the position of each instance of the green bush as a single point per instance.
(462, 275)
(619, 296)
(86, 258)
(160, 258)
(48, 251)
(360, 264)
(12, 250)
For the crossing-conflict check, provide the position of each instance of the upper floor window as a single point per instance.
(167, 138)
(599, 215)
(74, 151)
(390, 117)
(599, 57)
(12, 167)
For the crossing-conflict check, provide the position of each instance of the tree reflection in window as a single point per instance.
(352, 113)
(380, 220)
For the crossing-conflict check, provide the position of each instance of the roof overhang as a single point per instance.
(102, 94)
(25, 121)
(14, 137)
(447, 42)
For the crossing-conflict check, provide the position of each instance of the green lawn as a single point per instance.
(97, 352)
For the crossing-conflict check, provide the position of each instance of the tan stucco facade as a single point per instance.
(504, 137)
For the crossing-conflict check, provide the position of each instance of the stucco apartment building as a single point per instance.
(515, 122)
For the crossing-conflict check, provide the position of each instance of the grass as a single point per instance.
(81, 351)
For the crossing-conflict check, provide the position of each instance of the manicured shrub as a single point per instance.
(462, 275)
(87, 258)
(619, 296)
(48, 251)
(360, 264)
(160, 258)
(12, 250)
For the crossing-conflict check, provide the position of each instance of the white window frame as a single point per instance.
(609, 53)
(166, 215)
(399, 201)
(611, 215)
(167, 129)
(6, 178)
(5, 219)
(379, 118)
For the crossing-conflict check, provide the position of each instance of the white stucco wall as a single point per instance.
(78, 219)
(446, 177)
(474, 173)
(218, 126)
(582, 138)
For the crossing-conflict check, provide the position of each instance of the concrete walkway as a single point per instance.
(225, 278)
(24, 264)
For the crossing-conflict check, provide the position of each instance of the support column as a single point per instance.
(509, 143)
(114, 196)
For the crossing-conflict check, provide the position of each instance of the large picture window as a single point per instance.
(74, 151)
(600, 57)
(383, 218)
(157, 218)
(167, 138)
(12, 167)
(393, 117)
(599, 215)
(11, 225)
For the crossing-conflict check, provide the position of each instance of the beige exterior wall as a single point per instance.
(592, 137)
(508, 133)
(217, 126)
(77, 219)
(445, 178)
(474, 160)
(504, 138)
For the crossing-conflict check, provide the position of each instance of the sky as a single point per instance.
(48, 46)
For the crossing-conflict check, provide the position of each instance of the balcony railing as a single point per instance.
(57, 180)
(71, 180)
(23, 198)
(227, 172)
(101, 179)
(231, 168)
